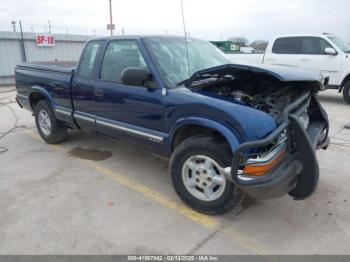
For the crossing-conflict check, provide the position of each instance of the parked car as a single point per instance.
(325, 52)
(228, 129)
(247, 50)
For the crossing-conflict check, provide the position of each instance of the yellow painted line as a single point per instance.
(204, 220)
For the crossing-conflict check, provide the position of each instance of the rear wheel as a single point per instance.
(346, 92)
(50, 129)
(196, 171)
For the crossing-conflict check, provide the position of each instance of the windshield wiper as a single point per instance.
(181, 82)
(199, 79)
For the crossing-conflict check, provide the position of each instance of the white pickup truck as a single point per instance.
(324, 52)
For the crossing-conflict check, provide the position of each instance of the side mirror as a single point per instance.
(330, 51)
(135, 76)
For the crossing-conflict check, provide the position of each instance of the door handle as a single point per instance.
(270, 59)
(305, 60)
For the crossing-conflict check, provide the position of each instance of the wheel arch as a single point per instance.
(191, 126)
(344, 81)
(345, 89)
(38, 93)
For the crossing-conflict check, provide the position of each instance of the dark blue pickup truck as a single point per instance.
(228, 129)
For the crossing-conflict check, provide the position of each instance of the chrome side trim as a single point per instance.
(150, 137)
(66, 112)
(330, 71)
(83, 117)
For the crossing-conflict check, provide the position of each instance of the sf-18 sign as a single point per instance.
(45, 40)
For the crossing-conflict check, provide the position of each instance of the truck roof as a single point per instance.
(302, 35)
(141, 36)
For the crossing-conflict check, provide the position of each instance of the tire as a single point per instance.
(346, 92)
(197, 149)
(51, 130)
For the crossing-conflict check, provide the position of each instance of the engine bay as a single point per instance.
(267, 95)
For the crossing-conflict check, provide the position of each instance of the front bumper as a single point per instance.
(298, 172)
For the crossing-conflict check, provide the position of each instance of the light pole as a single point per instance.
(14, 25)
(49, 26)
(24, 56)
(110, 17)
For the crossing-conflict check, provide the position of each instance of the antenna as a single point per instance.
(347, 36)
(185, 33)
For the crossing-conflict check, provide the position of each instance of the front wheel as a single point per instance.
(50, 129)
(346, 92)
(196, 171)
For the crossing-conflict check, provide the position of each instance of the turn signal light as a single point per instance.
(260, 169)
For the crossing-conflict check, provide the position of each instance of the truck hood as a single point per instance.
(248, 123)
(282, 73)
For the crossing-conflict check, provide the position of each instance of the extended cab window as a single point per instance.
(118, 56)
(286, 45)
(88, 59)
(314, 46)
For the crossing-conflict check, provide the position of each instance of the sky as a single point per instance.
(207, 19)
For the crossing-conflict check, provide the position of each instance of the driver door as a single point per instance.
(135, 113)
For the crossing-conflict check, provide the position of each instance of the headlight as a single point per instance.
(261, 165)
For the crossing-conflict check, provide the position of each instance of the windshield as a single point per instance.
(171, 57)
(340, 43)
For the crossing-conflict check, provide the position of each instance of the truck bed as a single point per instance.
(61, 67)
(52, 78)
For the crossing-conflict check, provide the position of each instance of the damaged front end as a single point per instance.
(285, 160)
(290, 165)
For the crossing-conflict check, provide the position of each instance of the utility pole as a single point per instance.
(24, 57)
(110, 17)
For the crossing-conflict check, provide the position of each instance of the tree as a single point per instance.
(241, 40)
(259, 45)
